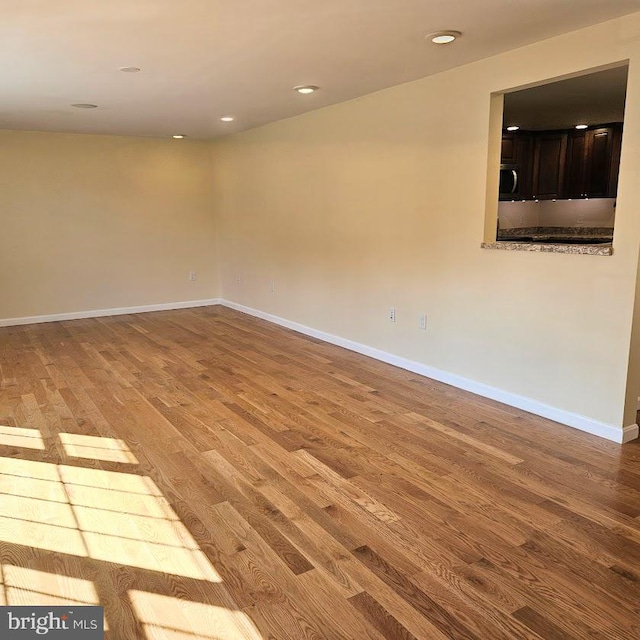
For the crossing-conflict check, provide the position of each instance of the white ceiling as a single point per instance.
(202, 59)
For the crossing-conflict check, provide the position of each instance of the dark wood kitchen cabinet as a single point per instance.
(549, 159)
(598, 162)
(576, 169)
(593, 160)
(517, 150)
(565, 163)
(508, 155)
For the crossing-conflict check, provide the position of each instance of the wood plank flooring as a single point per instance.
(203, 474)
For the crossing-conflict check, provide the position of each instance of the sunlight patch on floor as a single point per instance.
(111, 480)
(114, 517)
(167, 618)
(135, 527)
(25, 487)
(96, 448)
(28, 587)
(31, 587)
(29, 469)
(19, 437)
(42, 536)
(124, 502)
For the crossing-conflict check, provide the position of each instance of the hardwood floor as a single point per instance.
(203, 474)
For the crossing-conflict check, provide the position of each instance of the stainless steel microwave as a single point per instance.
(509, 180)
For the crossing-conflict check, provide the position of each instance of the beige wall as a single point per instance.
(96, 222)
(381, 201)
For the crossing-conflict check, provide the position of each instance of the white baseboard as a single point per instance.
(568, 418)
(99, 313)
(629, 433)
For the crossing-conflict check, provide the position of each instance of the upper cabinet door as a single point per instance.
(598, 165)
(517, 149)
(593, 161)
(576, 170)
(508, 155)
(549, 165)
(524, 157)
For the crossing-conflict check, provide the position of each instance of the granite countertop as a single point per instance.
(557, 234)
(568, 231)
(587, 249)
(576, 240)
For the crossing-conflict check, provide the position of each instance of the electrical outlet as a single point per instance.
(192, 276)
(239, 279)
(272, 284)
(392, 314)
(422, 322)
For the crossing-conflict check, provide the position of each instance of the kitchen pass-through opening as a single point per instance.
(559, 156)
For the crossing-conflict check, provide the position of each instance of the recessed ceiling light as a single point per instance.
(444, 37)
(582, 126)
(130, 69)
(227, 118)
(513, 127)
(306, 88)
(85, 105)
(179, 136)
